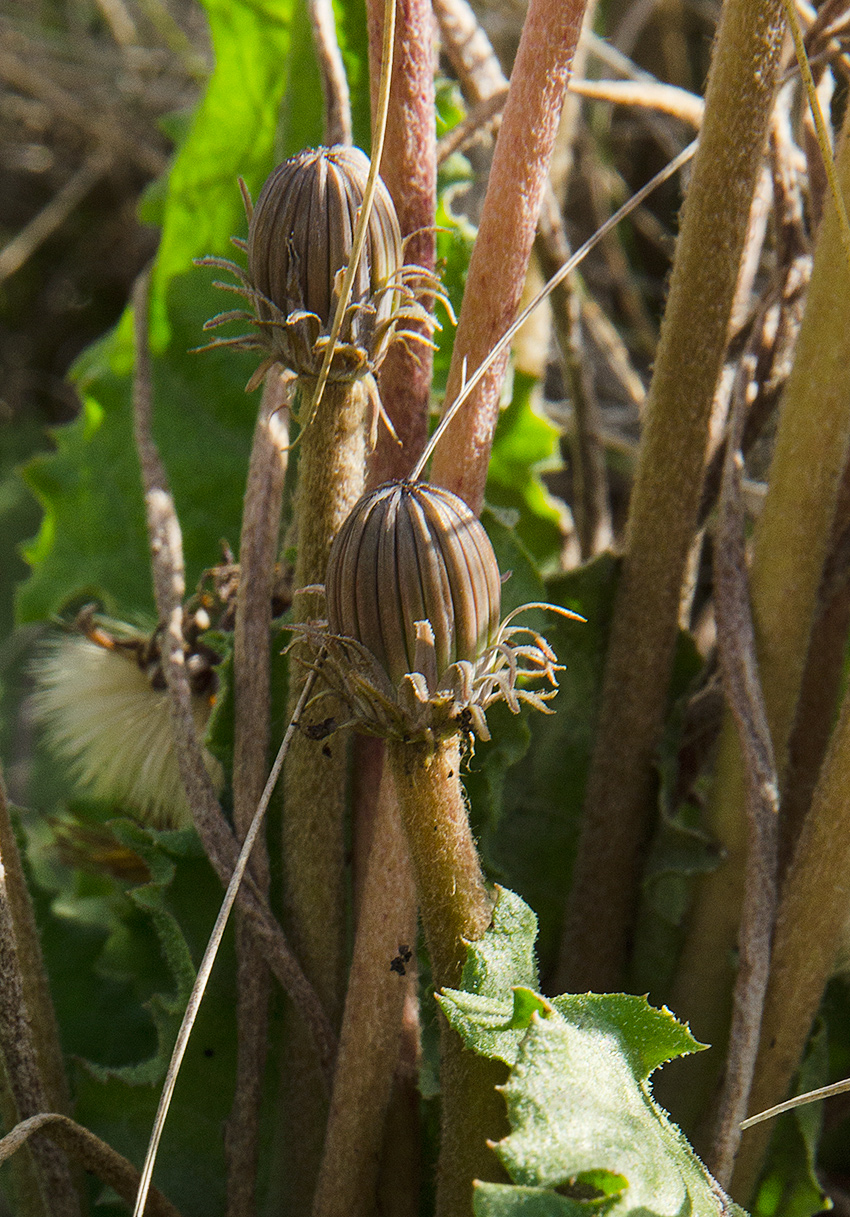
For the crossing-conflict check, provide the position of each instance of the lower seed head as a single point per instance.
(411, 553)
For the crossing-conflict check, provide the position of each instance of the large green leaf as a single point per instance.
(92, 540)
(584, 1125)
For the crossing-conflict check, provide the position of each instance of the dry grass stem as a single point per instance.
(332, 71)
(591, 509)
(90, 1152)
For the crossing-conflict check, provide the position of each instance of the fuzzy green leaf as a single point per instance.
(502, 1200)
(586, 1133)
(495, 1000)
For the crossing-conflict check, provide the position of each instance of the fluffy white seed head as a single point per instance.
(103, 716)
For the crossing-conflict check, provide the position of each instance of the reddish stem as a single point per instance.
(508, 224)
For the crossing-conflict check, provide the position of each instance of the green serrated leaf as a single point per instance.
(484, 1009)
(582, 1115)
(502, 1200)
(504, 957)
(579, 1102)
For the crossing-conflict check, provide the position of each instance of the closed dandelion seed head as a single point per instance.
(300, 241)
(413, 642)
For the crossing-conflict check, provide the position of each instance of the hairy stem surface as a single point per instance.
(665, 498)
(456, 908)
(409, 170)
(330, 480)
(790, 546)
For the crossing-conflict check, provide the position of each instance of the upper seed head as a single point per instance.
(299, 243)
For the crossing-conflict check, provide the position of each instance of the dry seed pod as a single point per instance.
(413, 644)
(300, 241)
(408, 553)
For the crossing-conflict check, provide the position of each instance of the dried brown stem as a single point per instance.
(53, 216)
(468, 48)
(252, 697)
(372, 1023)
(665, 499)
(169, 586)
(593, 516)
(508, 221)
(21, 975)
(91, 1153)
(739, 666)
(332, 71)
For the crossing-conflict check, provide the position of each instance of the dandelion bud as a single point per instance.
(299, 244)
(412, 577)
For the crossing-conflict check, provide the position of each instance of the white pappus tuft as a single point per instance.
(104, 708)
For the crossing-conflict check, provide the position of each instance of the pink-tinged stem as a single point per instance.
(409, 169)
(508, 224)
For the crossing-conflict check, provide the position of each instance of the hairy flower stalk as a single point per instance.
(414, 649)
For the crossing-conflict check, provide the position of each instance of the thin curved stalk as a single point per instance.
(90, 1152)
(665, 498)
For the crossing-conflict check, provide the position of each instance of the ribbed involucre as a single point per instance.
(407, 554)
(300, 241)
